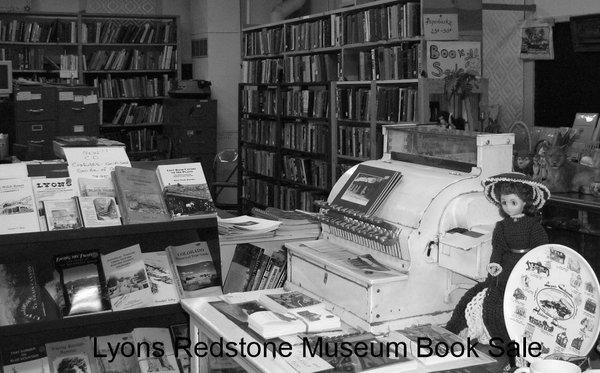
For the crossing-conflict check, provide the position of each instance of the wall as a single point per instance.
(558, 8)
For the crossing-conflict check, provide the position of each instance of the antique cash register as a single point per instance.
(400, 232)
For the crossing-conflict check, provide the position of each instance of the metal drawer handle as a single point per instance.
(36, 141)
(77, 108)
(34, 110)
(37, 127)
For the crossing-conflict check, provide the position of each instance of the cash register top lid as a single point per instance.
(552, 297)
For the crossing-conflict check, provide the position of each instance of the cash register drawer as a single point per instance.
(465, 254)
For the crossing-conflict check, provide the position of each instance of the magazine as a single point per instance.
(194, 270)
(51, 189)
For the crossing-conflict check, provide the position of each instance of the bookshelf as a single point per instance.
(316, 91)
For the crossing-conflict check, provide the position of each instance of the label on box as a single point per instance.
(78, 98)
(36, 96)
(65, 96)
(23, 96)
(90, 99)
(78, 128)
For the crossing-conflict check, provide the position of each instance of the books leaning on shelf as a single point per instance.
(160, 276)
(253, 269)
(134, 114)
(194, 270)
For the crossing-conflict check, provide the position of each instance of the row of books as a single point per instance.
(55, 31)
(263, 42)
(143, 140)
(132, 59)
(69, 62)
(85, 282)
(306, 137)
(140, 86)
(312, 103)
(142, 33)
(310, 68)
(28, 58)
(354, 103)
(280, 196)
(354, 141)
(254, 269)
(259, 161)
(308, 35)
(310, 172)
(261, 132)
(383, 63)
(133, 113)
(380, 23)
(266, 71)
(397, 104)
(259, 101)
(104, 354)
(341, 168)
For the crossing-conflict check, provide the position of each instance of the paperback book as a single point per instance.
(111, 362)
(51, 189)
(18, 212)
(194, 270)
(62, 214)
(160, 276)
(96, 188)
(26, 360)
(182, 331)
(21, 295)
(149, 362)
(185, 190)
(99, 211)
(74, 355)
(244, 266)
(83, 284)
(126, 279)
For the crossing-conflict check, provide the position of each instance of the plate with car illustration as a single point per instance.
(552, 298)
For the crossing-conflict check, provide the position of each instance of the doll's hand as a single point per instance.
(494, 269)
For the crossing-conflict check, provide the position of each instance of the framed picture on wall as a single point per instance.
(536, 41)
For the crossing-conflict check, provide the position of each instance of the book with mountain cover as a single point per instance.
(21, 294)
(18, 212)
(194, 270)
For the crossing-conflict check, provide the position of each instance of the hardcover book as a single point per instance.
(185, 190)
(26, 360)
(105, 346)
(21, 298)
(194, 270)
(62, 214)
(162, 283)
(126, 279)
(73, 355)
(82, 282)
(139, 196)
(18, 213)
(51, 189)
(99, 211)
(148, 361)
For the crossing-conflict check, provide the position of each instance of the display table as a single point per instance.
(209, 324)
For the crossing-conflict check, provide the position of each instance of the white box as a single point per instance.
(467, 253)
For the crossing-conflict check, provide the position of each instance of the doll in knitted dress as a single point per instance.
(479, 312)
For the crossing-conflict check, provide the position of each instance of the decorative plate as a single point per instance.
(552, 297)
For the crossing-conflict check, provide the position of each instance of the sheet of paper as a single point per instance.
(23, 96)
(95, 162)
(65, 96)
(321, 246)
(36, 96)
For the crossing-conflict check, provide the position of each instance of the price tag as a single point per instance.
(23, 96)
(36, 96)
(90, 99)
(78, 98)
(65, 96)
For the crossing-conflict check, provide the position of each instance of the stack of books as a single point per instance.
(246, 227)
(298, 222)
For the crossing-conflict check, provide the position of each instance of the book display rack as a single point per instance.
(315, 92)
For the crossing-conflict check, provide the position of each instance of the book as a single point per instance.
(48, 169)
(82, 282)
(26, 360)
(246, 226)
(438, 336)
(21, 295)
(139, 196)
(243, 268)
(148, 360)
(73, 355)
(96, 188)
(51, 189)
(62, 214)
(99, 211)
(13, 171)
(162, 283)
(126, 279)
(185, 190)
(18, 213)
(111, 359)
(287, 301)
(194, 270)
(182, 332)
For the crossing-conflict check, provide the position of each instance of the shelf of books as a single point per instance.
(315, 92)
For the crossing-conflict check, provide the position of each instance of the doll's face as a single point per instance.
(512, 204)
(523, 161)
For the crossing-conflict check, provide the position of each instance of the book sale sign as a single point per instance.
(447, 57)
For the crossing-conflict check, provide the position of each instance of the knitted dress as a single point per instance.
(524, 233)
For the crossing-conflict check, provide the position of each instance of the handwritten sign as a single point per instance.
(440, 26)
(95, 162)
(444, 57)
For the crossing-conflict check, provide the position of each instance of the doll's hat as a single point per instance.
(540, 191)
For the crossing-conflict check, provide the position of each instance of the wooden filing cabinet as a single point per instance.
(191, 126)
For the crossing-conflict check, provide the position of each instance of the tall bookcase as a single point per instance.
(361, 63)
(131, 59)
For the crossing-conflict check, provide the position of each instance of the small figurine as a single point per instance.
(479, 312)
(523, 163)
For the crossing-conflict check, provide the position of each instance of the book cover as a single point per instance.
(82, 282)
(99, 211)
(162, 283)
(51, 189)
(62, 214)
(73, 355)
(150, 360)
(96, 188)
(288, 301)
(185, 190)
(26, 360)
(194, 270)
(139, 196)
(182, 331)
(18, 213)
(109, 362)
(13, 171)
(243, 267)
(20, 294)
(126, 279)
(437, 335)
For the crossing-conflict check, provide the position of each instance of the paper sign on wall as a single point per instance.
(444, 57)
(440, 26)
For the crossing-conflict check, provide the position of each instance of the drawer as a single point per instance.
(190, 140)
(38, 134)
(74, 128)
(35, 103)
(191, 112)
(75, 105)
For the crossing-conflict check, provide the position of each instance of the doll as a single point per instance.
(523, 163)
(480, 310)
